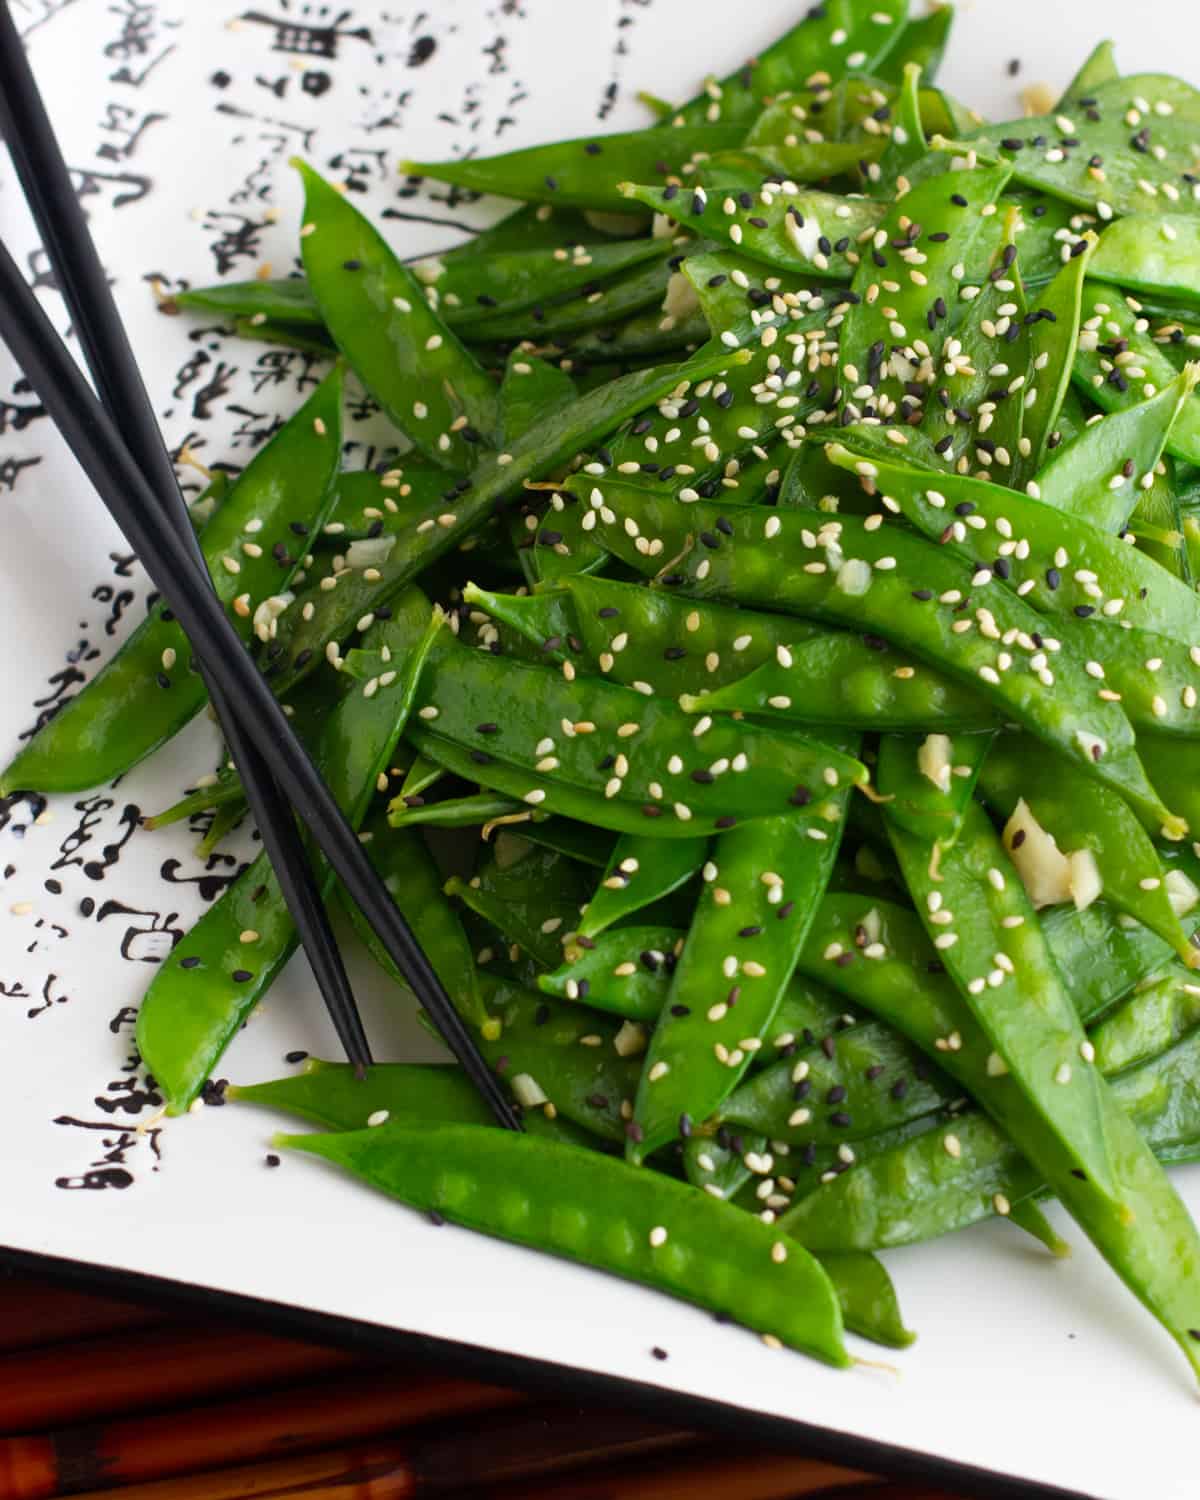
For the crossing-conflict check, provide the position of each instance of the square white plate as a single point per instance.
(178, 119)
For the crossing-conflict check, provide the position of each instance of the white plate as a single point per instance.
(179, 119)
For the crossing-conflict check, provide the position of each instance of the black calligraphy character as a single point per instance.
(307, 38)
(11, 470)
(48, 997)
(119, 123)
(148, 942)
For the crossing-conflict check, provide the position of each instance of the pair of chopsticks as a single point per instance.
(117, 442)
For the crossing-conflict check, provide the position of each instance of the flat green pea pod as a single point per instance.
(1098, 67)
(640, 336)
(582, 173)
(219, 970)
(474, 291)
(640, 871)
(783, 225)
(590, 1208)
(333, 1095)
(582, 1064)
(797, 161)
(844, 36)
(1101, 953)
(535, 910)
(627, 971)
(1140, 151)
(875, 1081)
(148, 691)
(858, 573)
(446, 520)
(1087, 476)
(760, 892)
(282, 300)
(1069, 1125)
(1052, 332)
(1098, 849)
(922, 41)
(930, 781)
(1019, 540)
(428, 384)
(1153, 253)
(415, 885)
(921, 1188)
(589, 846)
(531, 390)
(560, 729)
(1161, 1012)
(868, 1299)
(593, 307)
(484, 808)
(839, 678)
(1118, 365)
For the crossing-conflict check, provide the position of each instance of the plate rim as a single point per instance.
(544, 1377)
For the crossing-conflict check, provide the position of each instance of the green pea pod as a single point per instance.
(1158, 1015)
(868, 1299)
(1081, 815)
(415, 885)
(220, 793)
(530, 391)
(918, 1190)
(875, 1081)
(1081, 477)
(640, 870)
(780, 227)
(582, 173)
(455, 812)
(1108, 127)
(760, 893)
(432, 528)
(922, 40)
(148, 691)
(1069, 562)
(839, 678)
(331, 1094)
(650, 1229)
(1097, 67)
(794, 161)
(930, 782)
(1070, 1126)
(220, 968)
(906, 158)
(829, 568)
(1118, 365)
(626, 971)
(595, 307)
(589, 846)
(531, 716)
(844, 36)
(1052, 331)
(285, 300)
(571, 1056)
(1153, 253)
(473, 292)
(531, 895)
(640, 336)
(430, 386)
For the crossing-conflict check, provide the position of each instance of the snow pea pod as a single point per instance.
(930, 781)
(425, 380)
(218, 971)
(917, 1191)
(1021, 541)
(281, 300)
(148, 690)
(1097, 67)
(531, 391)
(415, 885)
(828, 568)
(616, 743)
(583, 173)
(1053, 329)
(1081, 476)
(454, 812)
(782, 224)
(838, 678)
(760, 892)
(1118, 365)
(1160, 1013)
(331, 1094)
(844, 36)
(1081, 815)
(1153, 253)
(922, 40)
(590, 1208)
(1071, 1127)
(868, 1299)
(593, 307)
(445, 520)
(1134, 177)
(640, 336)
(640, 870)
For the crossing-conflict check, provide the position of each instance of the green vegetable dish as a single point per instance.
(788, 581)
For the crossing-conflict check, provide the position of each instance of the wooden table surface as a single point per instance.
(145, 1402)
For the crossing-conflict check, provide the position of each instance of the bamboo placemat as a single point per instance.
(139, 1402)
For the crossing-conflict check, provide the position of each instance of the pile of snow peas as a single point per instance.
(787, 576)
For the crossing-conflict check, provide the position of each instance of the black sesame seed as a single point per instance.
(241, 976)
(190, 962)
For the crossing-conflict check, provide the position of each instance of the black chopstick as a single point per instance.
(127, 494)
(46, 183)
